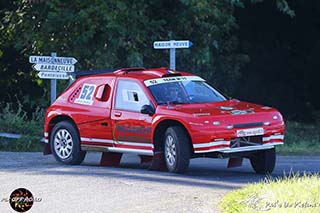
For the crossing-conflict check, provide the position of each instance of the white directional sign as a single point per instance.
(54, 67)
(172, 44)
(53, 75)
(52, 60)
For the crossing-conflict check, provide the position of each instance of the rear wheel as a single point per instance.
(264, 161)
(65, 143)
(176, 149)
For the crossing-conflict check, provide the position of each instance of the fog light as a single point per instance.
(266, 123)
(229, 127)
(216, 123)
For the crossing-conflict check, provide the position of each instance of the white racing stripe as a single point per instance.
(126, 150)
(239, 149)
(275, 143)
(98, 140)
(135, 144)
(213, 143)
(281, 137)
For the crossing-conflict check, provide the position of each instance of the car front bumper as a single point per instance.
(227, 146)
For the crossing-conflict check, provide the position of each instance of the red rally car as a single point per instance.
(165, 116)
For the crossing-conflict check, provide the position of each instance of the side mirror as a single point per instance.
(147, 109)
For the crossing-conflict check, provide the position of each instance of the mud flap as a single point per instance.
(110, 159)
(158, 162)
(47, 149)
(235, 162)
(145, 159)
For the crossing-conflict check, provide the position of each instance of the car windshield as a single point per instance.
(184, 92)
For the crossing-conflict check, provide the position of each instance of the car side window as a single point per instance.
(130, 96)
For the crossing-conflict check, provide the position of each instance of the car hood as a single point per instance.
(225, 112)
(228, 107)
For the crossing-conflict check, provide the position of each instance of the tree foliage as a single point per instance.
(103, 34)
(111, 33)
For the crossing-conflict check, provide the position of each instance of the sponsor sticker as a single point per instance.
(156, 81)
(250, 132)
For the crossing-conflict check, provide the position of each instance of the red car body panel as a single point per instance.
(212, 127)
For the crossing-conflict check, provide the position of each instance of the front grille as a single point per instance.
(246, 141)
(248, 125)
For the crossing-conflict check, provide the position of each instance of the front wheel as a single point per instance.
(176, 149)
(65, 143)
(263, 162)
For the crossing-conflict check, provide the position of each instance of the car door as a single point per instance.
(131, 129)
(95, 97)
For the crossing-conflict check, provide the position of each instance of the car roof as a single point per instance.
(139, 73)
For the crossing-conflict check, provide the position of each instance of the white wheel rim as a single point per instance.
(170, 150)
(63, 143)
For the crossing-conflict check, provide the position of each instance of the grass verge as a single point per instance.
(15, 120)
(293, 193)
(301, 139)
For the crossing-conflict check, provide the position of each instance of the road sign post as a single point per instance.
(172, 45)
(53, 84)
(53, 67)
(173, 58)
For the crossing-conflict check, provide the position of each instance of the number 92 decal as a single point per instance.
(86, 94)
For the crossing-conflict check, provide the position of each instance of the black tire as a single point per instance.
(264, 161)
(65, 143)
(176, 149)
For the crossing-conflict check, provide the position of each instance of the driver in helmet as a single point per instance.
(174, 93)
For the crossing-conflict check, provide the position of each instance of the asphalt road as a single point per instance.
(129, 187)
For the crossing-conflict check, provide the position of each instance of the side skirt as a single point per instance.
(100, 148)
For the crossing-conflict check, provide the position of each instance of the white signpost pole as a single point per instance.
(173, 58)
(53, 83)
